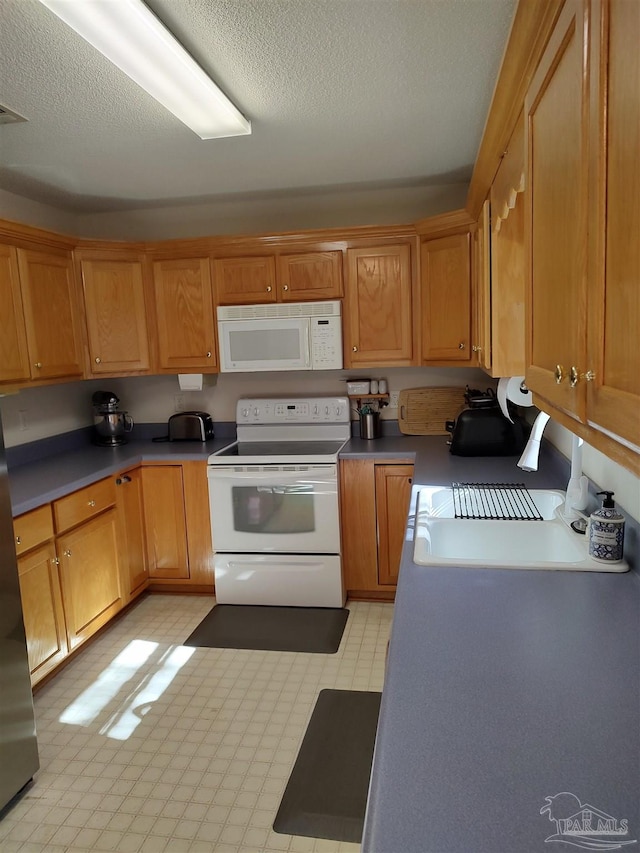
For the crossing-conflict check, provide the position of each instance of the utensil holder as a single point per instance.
(370, 425)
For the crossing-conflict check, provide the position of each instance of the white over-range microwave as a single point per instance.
(288, 336)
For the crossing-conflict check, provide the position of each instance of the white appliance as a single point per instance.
(289, 336)
(273, 498)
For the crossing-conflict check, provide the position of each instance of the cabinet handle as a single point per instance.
(38, 364)
(461, 345)
(575, 376)
(98, 360)
(54, 561)
(268, 288)
(286, 287)
(92, 503)
(558, 374)
(67, 553)
(354, 349)
(120, 481)
(209, 354)
(18, 540)
(476, 348)
(410, 480)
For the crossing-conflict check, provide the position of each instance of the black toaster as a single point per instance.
(486, 432)
(190, 426)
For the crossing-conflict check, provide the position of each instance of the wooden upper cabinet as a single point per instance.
(309, 276)
(240, 281)
(14, 355)
(508, 260)
(185, 319)
(481, 289)
(445, 295)
(116, 315)
(613, 392)
(556, 110)
(378, 321)
(51, 314)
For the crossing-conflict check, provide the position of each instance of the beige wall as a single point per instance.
(276, 212)
(52, 410)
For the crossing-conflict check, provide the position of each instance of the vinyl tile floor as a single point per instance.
(148, 745)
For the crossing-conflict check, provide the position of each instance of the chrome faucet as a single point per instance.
(577, 493)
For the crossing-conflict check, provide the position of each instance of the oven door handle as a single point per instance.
(325, 474)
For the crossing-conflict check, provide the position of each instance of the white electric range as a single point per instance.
(273, 498)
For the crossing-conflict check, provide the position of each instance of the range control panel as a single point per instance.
(305, 410)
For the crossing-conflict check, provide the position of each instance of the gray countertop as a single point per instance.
(37, 483)
(502, 688)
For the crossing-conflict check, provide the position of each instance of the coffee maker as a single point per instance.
(109, 424)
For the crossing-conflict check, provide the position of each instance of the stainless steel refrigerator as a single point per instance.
(18, 747)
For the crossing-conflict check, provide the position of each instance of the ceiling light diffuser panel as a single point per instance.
(129, 35)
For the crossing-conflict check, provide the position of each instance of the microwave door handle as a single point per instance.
(307, 343)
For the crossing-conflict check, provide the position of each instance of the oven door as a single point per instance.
(279, 508)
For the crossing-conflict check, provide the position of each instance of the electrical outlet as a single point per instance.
(393, 400)
(179, 404)
(23, 417)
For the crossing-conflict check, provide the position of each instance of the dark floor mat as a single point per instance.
(326, 794)
(279, 629)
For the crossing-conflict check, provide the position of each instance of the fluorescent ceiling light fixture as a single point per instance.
(129, 35)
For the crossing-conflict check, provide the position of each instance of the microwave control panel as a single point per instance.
(326, 343)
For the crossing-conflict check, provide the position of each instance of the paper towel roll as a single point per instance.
(513, 389)
(190, 381)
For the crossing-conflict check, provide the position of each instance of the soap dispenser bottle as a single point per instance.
(606, 531)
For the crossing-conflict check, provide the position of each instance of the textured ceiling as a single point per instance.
(339, 93)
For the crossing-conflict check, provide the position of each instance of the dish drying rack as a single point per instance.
(494, 501)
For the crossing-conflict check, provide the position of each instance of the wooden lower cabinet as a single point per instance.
(165, 523)
(42, 610)
(178, 526)
(374, 503)
(131, 535)
(90, 575)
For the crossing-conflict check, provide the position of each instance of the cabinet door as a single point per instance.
(14, 355)
(445, 276)
(184, 314)
(481, 276)
(116, 316)
(129, 506)
(556, 134)
(310, 275)
(613, 400)
(245, 280)
(51, 314)
(393, 493)
(358, 525)
(379, 307)
(165, 526)
(90, 574)
(42, 610)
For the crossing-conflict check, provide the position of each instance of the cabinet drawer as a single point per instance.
(84, 504)
(33, 528)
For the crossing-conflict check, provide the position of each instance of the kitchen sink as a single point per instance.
(441, 539)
